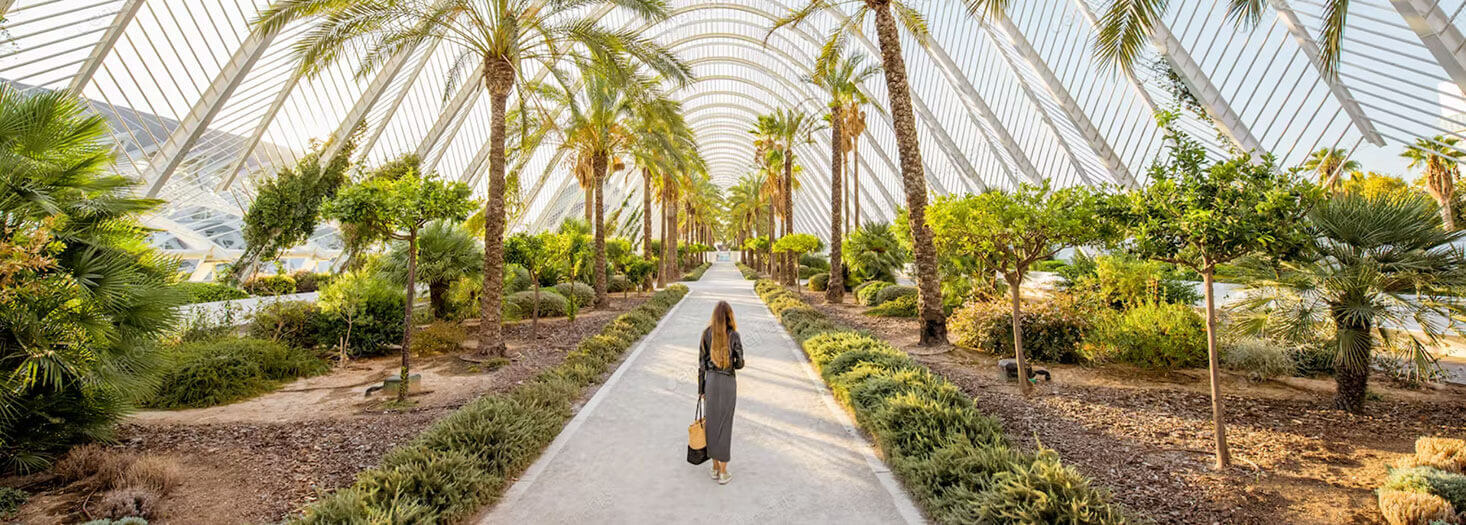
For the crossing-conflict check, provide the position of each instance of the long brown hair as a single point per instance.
(721, 324)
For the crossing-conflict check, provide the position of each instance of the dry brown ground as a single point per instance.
(259, 460)
(1147, 436)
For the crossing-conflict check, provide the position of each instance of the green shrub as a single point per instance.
(904, 306)
(696, 273)
(867, 292)
(1124, 282)
(1429, 480)
(267, 285)
(806, 272)
(816, 261)
(619, 284)
(1053, 330)
(294, 323)
(955, 460)
(463, 461)
(520, 304)
(210, 292)
(1157, 335)
(306, 282)
(819, 282)
(583, 294)
(1315, 358)
(439, 337)
(10, 501)
(209, 373)
(888, 293)
(1050, 265)
(367, 305)
(516, 279)
(748, 272)
(1260, 359)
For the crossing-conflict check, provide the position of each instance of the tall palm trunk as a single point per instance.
(590, 201)
(769, 250)
(1441, 183)
(598, 171)
(913, 179)
(791, 263)
(669, 232)
(1356, 343)
(855, 179)
(1218, 416)
(407, 315)
(646, 214)
(835, 291)
(499, 78)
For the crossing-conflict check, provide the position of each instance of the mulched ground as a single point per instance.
(263, 472)
(1147, 436)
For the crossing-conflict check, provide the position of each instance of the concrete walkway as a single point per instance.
(622, 459)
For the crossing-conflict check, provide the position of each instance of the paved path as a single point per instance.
(622, 459)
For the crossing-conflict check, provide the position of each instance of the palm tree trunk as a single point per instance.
(791, 263)
(500, 80)
(598, 170)
(835, 291)
(411, 292)
(646, 214)
(1015, 283)
(769, 250)
(913, 179)
(855, 180)
(438, 298)
(1219, 420)
(1351, 377)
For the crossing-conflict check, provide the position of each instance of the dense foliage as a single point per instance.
(873, 253)
(83, 296)
(445, 253)
(287, 207)
(1053, 330)
(210, 292)
(1152, 335)
(220, 371)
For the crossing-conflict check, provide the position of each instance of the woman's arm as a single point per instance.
(702, 362)
(735, 350)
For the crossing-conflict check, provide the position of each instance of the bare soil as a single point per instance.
(260, 460)
(1148, 437)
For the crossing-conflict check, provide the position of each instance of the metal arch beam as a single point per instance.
(104, 47)
(1341, 92)
(1077, 116)
(1093, 20)
(467, 96)
(1200, 85)
(1033, 100)
(365, 102)
(1439, 34)
(259, 133)
(193, 126)
(376, 134)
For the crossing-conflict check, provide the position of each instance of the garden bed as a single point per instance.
(261, 459)
(1147, 435)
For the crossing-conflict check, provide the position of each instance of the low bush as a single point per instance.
(1053, 329)
(439, 337)
(904, 306)
(11, 499)
(956, 461)
(90, 460)
(1260, 359)
(866, 292)
(1124, 282)
(306, 282)
(806, 272)
(155, 473)
(583, 294)
(1429, 487)
(1447, 454)
(516, 279)
(208, 373)
(1050, 265)
(295, 323)
(267, 285)
(818, 262)
(748, 271)
(819, 282)
(1429, 480)
(467, 458)
(1414, 508)
(1153, 335)
(520, 304)
(696, 273)
(210, 292)
(889, 293)
(130, 502)
(619, 284)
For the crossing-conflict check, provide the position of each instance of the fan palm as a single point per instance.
(1441, 158)
(505, 37)
(873, 253)
(83, 298)
(1376, 264)
(890, 17)
(1330, 164)
(840, 78)
(446, 253)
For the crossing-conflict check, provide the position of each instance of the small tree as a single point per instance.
(1008, 231)
(349, 296)
(446, 253)
(570, 250)
(1198, 215)
(530, 252)
(398, 209)
(796, 244)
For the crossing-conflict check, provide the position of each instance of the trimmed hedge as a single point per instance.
(696, 273)
(1053, 329)
(903, 306)
(748, 272)
(466, 459)
(819, 282)
(583, 293)
(891, 293)
(520, 305)
(210, 292)
(866, 293)
(268, 285)
(954, 459)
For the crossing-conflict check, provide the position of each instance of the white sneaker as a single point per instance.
(725, 478)
(715, 474)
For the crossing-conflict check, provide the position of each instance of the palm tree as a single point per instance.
(446, 253)
(502, 36)
(1330, 164)
(83, 297)
(854, 127)
(745, 200)
(1441, 159)
(890, 17)
(873, 253)
(1374, 263)
(840, 78)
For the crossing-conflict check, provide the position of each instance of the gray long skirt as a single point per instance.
(721, 393)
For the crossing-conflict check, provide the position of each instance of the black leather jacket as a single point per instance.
(705, 358)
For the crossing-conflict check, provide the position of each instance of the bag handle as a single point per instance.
(698, 414)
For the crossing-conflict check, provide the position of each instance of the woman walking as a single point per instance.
(720, 353)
